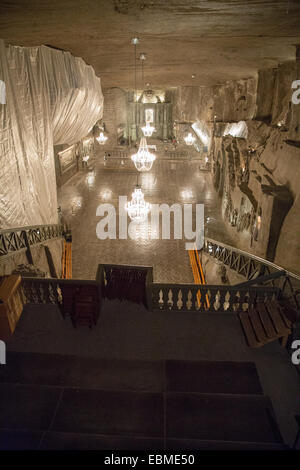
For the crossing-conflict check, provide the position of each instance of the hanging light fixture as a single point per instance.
(101, 138)
(148, 129)
(143, 159)
(189, 139)
(138, 208)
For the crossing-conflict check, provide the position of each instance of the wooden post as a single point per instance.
(11, 305)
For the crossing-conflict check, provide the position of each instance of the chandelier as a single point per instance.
(148, 129)
(138, 208)
(102, 138)
(143, 159)
(189, 139)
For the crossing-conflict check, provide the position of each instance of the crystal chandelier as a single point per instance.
(189, 139)
(143, 159)
(148, 129)
(102, 138)
(138, 208)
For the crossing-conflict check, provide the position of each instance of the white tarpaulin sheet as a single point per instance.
(51, 98)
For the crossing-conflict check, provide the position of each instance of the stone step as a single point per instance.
(117, 374)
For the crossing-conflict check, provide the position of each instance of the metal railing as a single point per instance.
(256, 270)
(18, 239)
(119, 153)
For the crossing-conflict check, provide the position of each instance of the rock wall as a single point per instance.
(257, 178)
(255, 170)
(234, 101)
(114, 114)
(40, 261)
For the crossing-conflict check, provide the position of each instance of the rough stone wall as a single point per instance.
(234, 101)
(114, 113)
(257, 176)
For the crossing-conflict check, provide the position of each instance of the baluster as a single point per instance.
(175, 293)
(246, 301)
(34, 293)
(161, 299)
(238, 303)
(227, 301)
(40, 293)
(179, 301)
(53, 294)
(213, 302)
(222, 300)
(189, 303)
(184, 291)
(251, 299)
(170, 299)
(217, 301)
(46, 292)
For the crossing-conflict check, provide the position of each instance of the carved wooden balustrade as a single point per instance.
(193, 298)
(175, 297)
(50, 290)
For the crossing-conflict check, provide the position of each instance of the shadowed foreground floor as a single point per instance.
(129, 332)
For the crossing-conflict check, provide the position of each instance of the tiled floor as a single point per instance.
(168, 182)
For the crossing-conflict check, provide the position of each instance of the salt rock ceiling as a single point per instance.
(213, 40)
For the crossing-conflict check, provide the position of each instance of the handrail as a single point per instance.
(254, 257)
(253, 267)
(18, 239)
(50, 290)
(27, 228)
(212, 298)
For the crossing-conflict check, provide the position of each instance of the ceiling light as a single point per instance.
(101, 138)
(143, 159)
(135, 41)
(138, 208)
(189, 139)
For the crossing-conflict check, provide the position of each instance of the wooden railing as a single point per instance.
(166, 297)
(193, 298)
(49, 290)
(103, 268)
(22, 238)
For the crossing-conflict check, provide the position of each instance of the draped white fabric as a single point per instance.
(51, 98)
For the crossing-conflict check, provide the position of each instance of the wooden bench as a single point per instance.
(264, 323)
